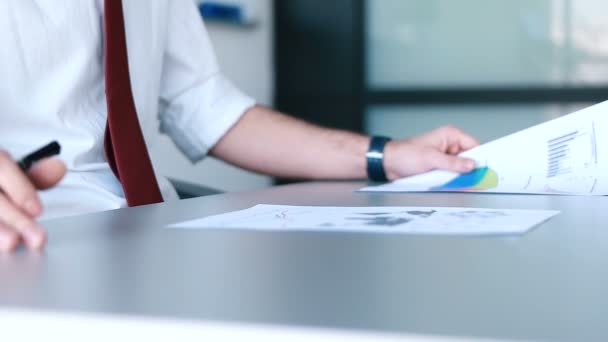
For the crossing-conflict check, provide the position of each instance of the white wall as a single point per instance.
(246, 57)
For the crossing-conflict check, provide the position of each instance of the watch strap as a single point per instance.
(375, 159)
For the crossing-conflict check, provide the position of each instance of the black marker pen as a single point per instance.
(49, 150)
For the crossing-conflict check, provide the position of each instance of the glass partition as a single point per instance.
(446, 43)
(485, 122)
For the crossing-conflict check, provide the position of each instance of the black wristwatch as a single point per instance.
(375, 158)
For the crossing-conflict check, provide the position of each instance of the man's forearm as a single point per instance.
(272, 143)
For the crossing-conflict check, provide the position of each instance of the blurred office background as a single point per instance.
(402, 67)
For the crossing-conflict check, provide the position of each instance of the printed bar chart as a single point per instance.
(572, 151)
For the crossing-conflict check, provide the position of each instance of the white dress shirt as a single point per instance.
(52, 88)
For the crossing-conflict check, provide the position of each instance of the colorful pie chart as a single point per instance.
(479, 179)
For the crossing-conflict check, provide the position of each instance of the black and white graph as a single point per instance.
(572, 161)
(572, 151)
(401, 220)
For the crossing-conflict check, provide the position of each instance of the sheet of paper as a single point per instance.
(563, 156)
(412, 220)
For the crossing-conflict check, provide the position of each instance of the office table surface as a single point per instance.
(551, 283)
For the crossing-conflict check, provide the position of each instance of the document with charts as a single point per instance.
(405, 220)
(567, 156)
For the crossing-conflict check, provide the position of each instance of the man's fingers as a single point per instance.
(447, 162)
(12, 218)
(467, 142)
(9, 239)
(449, 139)
(47, 172)
(454, 149)
(17, 187)
(458, 140)
(19, 201)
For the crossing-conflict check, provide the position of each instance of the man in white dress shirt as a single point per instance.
(52, 88)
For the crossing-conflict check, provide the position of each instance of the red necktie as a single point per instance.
(124, 142)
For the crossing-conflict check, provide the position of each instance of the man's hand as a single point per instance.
(19, 201)
(436, 149)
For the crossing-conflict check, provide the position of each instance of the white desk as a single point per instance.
(548, 284)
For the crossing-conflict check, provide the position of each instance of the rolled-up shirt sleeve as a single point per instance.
(198, 103)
